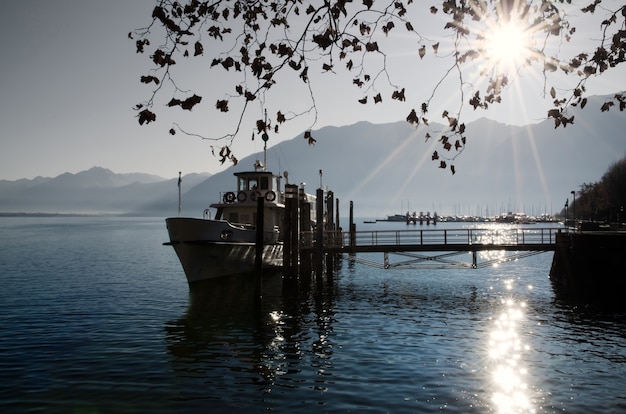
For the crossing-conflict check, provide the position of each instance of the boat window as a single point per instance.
(243, 185)
(253, 184)
(265, 182)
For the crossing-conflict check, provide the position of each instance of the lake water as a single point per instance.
(96, 317)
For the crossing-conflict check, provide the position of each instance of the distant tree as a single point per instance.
(605, 199)
(614, 181)
(263, 40)
(591, 202)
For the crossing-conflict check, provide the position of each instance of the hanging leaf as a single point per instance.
(280, 118)
(190, 102)
(422, 52)
(304, 74)
(413, 119)
(371, 46)
(222, 105)
(146, 117)
(198, 49)
(148, 79)
(309, 138)
(398, 95)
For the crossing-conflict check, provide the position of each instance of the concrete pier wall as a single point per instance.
(589, 267)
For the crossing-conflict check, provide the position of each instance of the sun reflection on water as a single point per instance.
(506, 348)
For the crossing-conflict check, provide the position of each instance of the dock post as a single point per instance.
(258, 262)
(289, 242)
(319, 233)
(330, 227)
(337, 224)
(295, 234)
(352, 228)
(304, 208)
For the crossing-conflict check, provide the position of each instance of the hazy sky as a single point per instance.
(69, 77)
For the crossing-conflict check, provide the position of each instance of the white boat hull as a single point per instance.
(209, 249)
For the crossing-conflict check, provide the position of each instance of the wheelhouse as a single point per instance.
(240, 206)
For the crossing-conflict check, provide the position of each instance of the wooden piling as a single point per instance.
(337, 223)
(352, 228)
(304, 207)
(330, 227)
(258, 263)
(319, 233)
(290, 243)
(295, 233)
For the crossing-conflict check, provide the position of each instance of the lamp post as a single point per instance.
(574, 207)
(566, 205)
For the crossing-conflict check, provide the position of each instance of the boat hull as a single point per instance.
(205, 253)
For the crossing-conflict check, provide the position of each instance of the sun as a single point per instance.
(506, 46)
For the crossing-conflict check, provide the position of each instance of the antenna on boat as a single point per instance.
(180, 180)
(265, 137)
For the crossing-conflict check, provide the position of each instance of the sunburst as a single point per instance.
(507, 45)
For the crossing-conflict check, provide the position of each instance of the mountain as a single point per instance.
(384, 169)
(95, 191)
(388, 169)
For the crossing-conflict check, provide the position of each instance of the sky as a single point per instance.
(69, 79)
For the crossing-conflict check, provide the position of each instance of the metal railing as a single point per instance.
(437, 237)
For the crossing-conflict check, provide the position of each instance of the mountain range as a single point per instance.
(94, 191)
(383, 168)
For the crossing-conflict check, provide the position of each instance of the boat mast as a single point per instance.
(265, 137)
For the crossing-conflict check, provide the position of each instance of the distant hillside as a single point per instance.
(95, 191)
(384, 169)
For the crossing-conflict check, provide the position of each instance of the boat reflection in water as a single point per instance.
(231, 339)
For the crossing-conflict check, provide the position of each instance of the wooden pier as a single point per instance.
(441, 244)
(420, 247)
(586, 264)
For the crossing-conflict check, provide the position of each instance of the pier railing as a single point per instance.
(435, 239)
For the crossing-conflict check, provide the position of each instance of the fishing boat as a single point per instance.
(227, 245)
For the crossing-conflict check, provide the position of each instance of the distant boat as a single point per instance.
(395, 217)
(210, 248)
(413, 218)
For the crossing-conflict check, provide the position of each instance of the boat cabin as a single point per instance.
(251, 185)
(239, 206)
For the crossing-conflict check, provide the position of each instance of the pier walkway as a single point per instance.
(442, 245)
